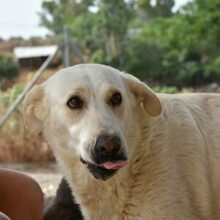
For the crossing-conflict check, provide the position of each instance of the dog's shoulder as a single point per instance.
(191, 101)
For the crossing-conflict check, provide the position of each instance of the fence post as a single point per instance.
(66, 47)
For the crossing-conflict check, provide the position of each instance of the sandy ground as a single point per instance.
(46, 174)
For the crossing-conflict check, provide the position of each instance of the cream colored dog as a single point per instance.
(127, 152)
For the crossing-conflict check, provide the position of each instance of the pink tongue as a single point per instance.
(114, 165)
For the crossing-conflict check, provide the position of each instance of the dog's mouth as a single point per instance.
(105, 170)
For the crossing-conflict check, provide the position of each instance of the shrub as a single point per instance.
(16, 144)
(213, 69)
(190, 73)
(143, 59)
(165, 89)
(98, 56)
(8, 97)
(8, 67)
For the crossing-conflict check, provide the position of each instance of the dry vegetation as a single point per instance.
(16, 144)
(19, 148)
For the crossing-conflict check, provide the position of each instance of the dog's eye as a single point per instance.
(115, 99)
(75, 102)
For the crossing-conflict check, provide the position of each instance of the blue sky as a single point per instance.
(20, 18)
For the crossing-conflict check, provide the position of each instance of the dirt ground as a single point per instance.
(46, 174)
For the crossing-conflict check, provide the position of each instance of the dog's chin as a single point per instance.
(99, 172)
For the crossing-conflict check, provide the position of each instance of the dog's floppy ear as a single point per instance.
(33, 110)
(144, 95)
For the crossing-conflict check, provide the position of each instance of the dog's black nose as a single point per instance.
(107, 147)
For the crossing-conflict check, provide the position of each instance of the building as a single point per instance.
(33, 57)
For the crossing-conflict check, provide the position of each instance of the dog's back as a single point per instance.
(192, 124)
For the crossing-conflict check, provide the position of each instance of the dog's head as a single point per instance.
(90, 110)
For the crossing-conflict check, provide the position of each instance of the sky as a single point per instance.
(20, 18)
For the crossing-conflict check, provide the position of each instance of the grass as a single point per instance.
(16, 144)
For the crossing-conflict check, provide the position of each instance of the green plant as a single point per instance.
(8, 67)
(98, 56)
(213, 69)
(8, 97)
(190, 73)
(165, 89)
(143, 59)
(15, 122)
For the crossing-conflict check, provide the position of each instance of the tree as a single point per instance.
(181, 47)
(161, 8)
(58, 13)
(105, 30)
(114, 19)
(191, 39)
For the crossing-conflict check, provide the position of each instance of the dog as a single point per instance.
(63, 205)
(127, 152)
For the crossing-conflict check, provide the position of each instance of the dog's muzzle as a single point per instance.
(108, 156)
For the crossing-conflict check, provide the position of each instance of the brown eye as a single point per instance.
(115, 100)
(75, 102)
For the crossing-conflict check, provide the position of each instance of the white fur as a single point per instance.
(173, 157)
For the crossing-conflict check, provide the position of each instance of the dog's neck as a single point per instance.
(89, 192)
